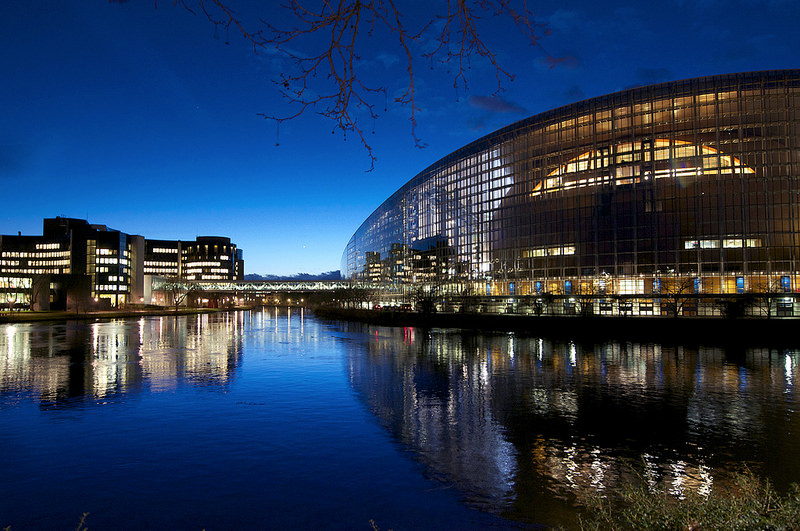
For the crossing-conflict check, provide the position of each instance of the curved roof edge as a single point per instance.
(565, 109)
(489, 138)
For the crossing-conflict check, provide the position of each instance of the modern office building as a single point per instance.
(71, 257)
(205, 258)
(25, 258)
(75, 263)
(211, 258)
(162, 258)
(690, 183)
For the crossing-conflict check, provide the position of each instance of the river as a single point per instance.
(277, 419)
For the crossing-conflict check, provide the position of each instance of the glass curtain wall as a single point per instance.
(685, 185)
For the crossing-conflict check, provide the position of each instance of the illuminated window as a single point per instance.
(683, 156)
(549, 251)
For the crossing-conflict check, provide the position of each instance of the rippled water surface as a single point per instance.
(272, 419)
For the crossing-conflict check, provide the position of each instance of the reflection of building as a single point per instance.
(521, 424)
(60, 363)
(440, 407)
(688, 183)
(75, 261)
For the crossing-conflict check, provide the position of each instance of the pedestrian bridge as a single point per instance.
(260, 286)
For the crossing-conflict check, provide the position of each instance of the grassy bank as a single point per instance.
(750, 503)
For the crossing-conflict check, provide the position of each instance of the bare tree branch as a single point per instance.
(328, 77)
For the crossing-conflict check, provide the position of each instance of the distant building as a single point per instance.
(162, 258)
(74, 264)
(206, 258)
(211, 258)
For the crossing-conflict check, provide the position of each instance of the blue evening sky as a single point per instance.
(138, 116)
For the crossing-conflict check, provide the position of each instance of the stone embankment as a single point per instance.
(685, 330)
(25, 316)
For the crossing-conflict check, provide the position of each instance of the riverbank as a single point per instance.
(26, 317)
(777, 331)
(774, 331)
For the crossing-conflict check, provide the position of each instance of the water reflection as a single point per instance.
(440, 405)
(518, 426)
(522, 426)
(63, 364)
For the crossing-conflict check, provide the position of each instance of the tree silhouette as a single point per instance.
(765, 296)
(328, 39)
(678, 291)
(179, 291)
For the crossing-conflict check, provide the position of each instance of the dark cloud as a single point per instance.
(565, 21)
(648, 76)
(574, 93)
(388, 59)
(651, 76)
(565, 61)
(494, 104)
(476, 124)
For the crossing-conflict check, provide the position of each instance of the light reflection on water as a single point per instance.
(240, 420)
(100, 360)
(523, 424)
(256, 413)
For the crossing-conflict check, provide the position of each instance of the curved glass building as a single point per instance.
(691, 183)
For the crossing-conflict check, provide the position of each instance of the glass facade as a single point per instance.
(692, 183)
